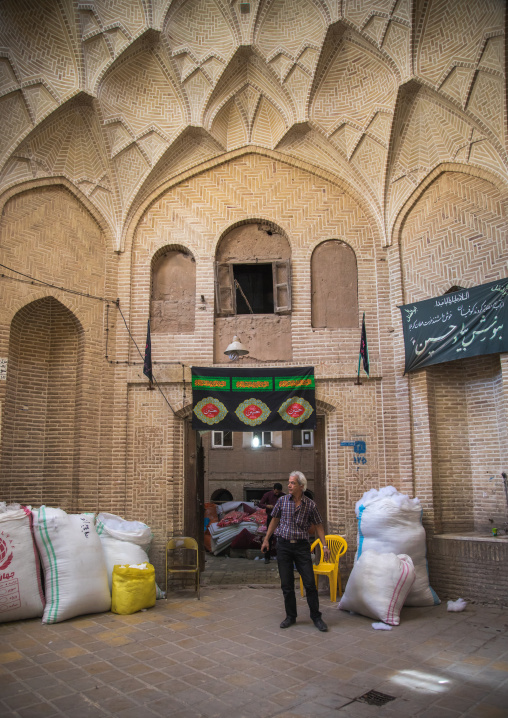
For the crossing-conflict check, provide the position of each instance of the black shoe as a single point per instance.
(287, 622)
(320, 624)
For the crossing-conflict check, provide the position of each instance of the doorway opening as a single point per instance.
(239, 470)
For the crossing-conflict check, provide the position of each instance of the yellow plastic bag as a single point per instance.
(133, 589)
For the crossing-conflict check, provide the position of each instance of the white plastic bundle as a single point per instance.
(75, 572)
(21, 594)
(124, 543)
(391, 522)
(456, 606)
(378, 586)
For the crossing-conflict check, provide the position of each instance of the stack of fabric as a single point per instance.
(235, 517)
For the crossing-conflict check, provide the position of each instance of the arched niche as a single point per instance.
(253, 291)
(40, 420)
(451, 238)
(173, 291)
(334, 281)
(466, 436)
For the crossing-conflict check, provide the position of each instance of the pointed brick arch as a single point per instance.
(40, 421)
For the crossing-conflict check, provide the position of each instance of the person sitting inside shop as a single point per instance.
(267, 502)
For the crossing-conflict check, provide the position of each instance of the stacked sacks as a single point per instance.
(123, 542)
(390, 522)
(21, 594)
(75, 574)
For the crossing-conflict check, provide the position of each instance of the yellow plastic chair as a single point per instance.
(337, 546)
(181, 563)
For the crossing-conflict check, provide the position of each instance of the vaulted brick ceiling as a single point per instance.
(117, 96)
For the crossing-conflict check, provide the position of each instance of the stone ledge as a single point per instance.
(472, 537)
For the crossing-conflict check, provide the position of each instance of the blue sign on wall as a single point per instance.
(359, 450)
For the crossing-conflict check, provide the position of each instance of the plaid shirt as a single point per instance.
(295, 522)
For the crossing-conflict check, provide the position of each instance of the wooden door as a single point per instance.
(194, 507)
(320, 495)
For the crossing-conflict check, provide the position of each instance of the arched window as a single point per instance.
(173, 297)
(253, 291)
(253, 271)
(334, 278)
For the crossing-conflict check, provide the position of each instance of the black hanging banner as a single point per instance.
(273, 399)
(461, 324)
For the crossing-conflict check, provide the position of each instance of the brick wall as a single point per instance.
(242, 466)
(470, 569)
(121, 448)
(58, 408)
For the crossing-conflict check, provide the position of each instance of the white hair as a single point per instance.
(300, 478)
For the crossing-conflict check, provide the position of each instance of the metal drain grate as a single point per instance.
(374, 698)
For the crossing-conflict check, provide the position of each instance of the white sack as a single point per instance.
(21, 594)
(111, 526)
(378, 586)
(124, 543)
(390, 522)
(75, 574)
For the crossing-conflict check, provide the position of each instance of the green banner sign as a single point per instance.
(249, 383)
(467, 323)
(212, 383)
(276, 399)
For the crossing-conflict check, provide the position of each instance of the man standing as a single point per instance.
(268, 502)
(292, 517)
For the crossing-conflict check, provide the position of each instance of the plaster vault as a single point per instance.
(153, 148)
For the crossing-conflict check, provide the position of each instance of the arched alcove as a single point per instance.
(334, 278)
(253, 291)
(467, 437)
(462, 434)
(40, 426)
(173, 291)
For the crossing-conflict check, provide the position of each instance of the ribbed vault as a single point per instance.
(117, 97)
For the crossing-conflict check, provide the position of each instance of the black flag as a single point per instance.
(147, 367)
(364, 349)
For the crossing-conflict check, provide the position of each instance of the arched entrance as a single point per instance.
(197, 450)
(40, 423)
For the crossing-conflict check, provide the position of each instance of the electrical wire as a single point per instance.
(141, 355)
(34, 281)
(41, 282)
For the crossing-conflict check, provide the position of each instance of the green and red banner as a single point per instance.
(277, 399)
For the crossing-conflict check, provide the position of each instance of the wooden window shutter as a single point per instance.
(281, 286)
(225, 296)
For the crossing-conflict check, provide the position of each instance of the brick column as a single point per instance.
(422, 449)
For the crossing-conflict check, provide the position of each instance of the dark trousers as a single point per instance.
(297, 554)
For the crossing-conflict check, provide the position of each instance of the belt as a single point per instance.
(292, 540)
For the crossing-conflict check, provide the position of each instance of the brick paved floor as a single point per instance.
(225, 655)
(222, 570)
